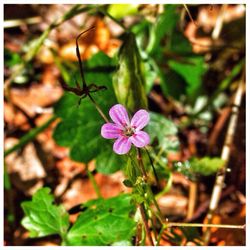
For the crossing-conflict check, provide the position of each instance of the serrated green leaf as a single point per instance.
(104, 222)
(42, 217)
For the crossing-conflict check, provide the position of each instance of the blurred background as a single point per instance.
(193, 57)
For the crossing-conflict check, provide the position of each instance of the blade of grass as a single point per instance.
(29, 136)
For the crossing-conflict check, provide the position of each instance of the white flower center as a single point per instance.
(128, 131)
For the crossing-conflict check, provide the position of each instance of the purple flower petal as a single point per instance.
(119, 115)
(110, 131)
(122, 145)
(140, 119)
(140, 139)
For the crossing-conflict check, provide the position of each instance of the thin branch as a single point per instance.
(189, 14)
(18, 22)
(220, 177)
(219, 22)
(179, 224)
(192, 199)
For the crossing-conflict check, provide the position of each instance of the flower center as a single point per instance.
(128, 131)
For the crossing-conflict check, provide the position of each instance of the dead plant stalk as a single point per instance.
(220, 176)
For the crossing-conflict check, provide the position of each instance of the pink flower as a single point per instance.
(125, 131)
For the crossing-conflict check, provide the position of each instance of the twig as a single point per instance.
(189, 14)
(219, 181)
(18, 22)
(219, 125)
(219, 22)
(180, 224)
(192, 199)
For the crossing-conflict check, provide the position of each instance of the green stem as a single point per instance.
(160, 235)
(93, 181)
(166, 188)
(98, 108)
(153, 167)
(29, 136)
(141, 165)
(145, 222)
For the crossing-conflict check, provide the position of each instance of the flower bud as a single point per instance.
(129, 80)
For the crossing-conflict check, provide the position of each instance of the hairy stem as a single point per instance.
(141, 165)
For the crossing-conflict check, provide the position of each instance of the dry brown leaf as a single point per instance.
(173, 205)
(26, 170)
(38, 95)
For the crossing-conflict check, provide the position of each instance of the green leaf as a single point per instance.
(192, 72)
(162, 129)
(129, 80)
(11, 58)
(108, 162)
(163, 26)
(206, 165)
(128, 183)
(14, 62)
(104, 222)
(172, 84)
(121, 10)
(42, 217)
(80, 126)
(180, 44)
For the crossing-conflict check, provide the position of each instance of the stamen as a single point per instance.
(128, 131)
